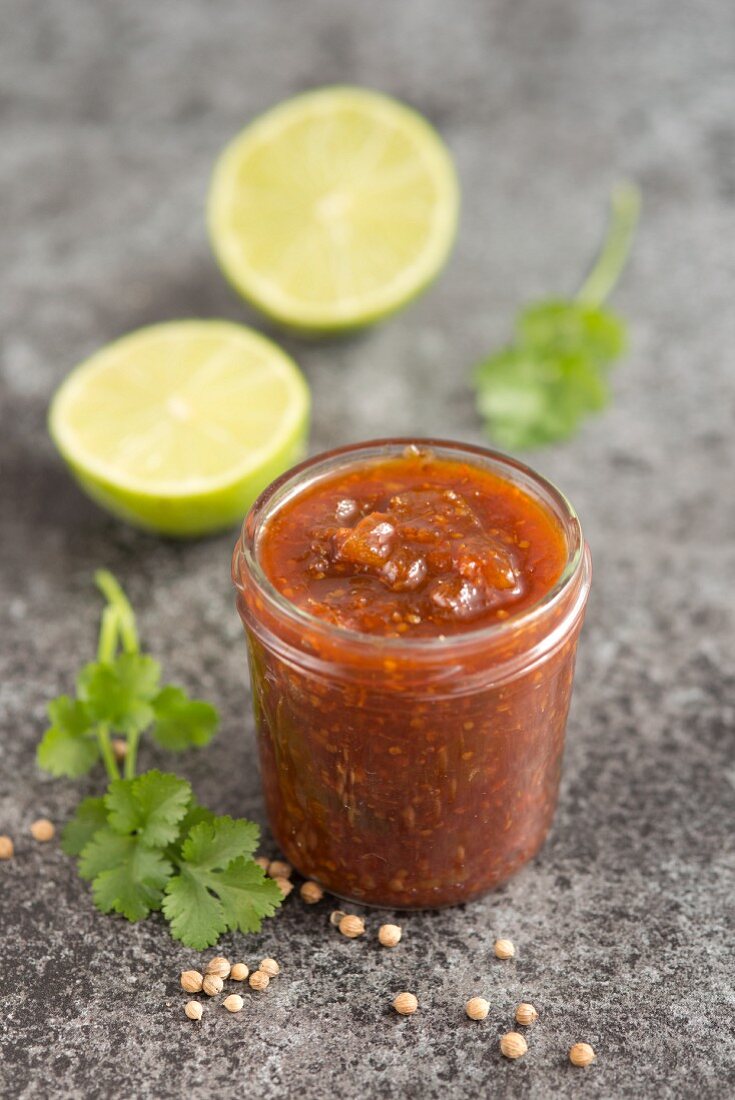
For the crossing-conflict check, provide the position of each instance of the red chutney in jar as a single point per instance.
(412, 616)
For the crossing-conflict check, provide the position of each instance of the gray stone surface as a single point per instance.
(112, 116)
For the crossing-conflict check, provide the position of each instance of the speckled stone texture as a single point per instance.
(112, 116)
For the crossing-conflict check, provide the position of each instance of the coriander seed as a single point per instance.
(389, 934)
(526, 1014)
(259, 980)
(270, 967)
(279, 868)
(263, 862)
(193, 1010)
(233, 1003)
(336, 917)
(239, 972)
(477, 1008)
(119, 748)
(191, 981)
(7, 848)
(219, 965)
(283, 885)
(504, 949)
(351, 926)
(513, 1045)
(212, 985)
(311, 892)
(405, 1004)
(42, 830)
(582, 1054)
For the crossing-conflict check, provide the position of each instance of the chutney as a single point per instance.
(412, 612)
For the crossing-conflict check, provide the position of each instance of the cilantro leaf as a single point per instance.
(120, 693)
(69, 746)
(180, 722)
(195, 915)
(201, 904)
(532, 398)
(133, 888)
(247, 895)
(90, 816)
(195, 815)
(127, 876)
(561, 327)
(123, 857)
(217, 887)
(151, 806)
(101, 852)
(121, 806)
(216, 843)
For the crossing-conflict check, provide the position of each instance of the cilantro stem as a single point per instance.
(108, 756)
(131, 756)
(109, 627)
(118, 601)
(106, 648)
(625, 203)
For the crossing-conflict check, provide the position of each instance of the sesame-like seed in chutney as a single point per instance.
(415, 545)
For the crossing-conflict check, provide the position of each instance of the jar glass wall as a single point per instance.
(410, 772)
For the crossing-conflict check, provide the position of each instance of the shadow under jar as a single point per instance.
(412, 610)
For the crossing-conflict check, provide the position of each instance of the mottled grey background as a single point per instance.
(113, 113)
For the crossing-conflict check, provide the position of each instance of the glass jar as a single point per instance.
(410, 773)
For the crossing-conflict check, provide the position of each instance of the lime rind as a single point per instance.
(188, 517)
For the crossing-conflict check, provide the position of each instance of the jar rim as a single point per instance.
(297, 478)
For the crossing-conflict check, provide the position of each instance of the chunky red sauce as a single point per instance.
(396, 773)
(416, 545)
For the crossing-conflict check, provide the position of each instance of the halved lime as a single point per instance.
(333, 209)
(178, 427)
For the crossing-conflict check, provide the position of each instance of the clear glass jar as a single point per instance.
(410, 773)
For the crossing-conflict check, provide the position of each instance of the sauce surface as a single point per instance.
(414, 546)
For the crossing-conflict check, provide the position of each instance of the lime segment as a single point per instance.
(179, 426)
(333, 209)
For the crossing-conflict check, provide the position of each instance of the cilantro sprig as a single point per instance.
(539, 388)
(120, 693)
(146, 844)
